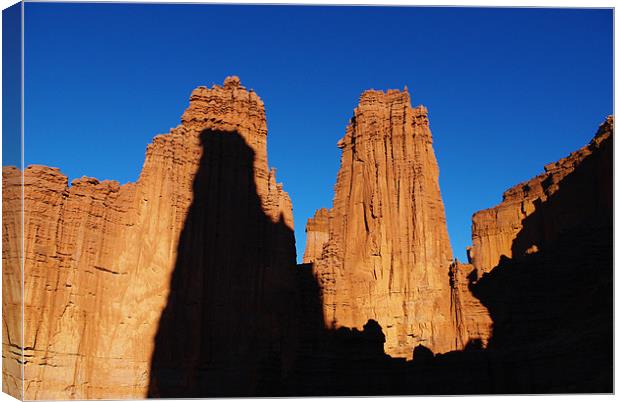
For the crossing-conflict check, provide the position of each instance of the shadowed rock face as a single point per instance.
(387, 254)
(531, 215)
(99, 256)
(229, 327)
(551, 305)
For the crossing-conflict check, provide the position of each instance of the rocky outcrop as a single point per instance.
(317, 234)
(387, 255)
(471, 319)
(99, 256)
(502, 230)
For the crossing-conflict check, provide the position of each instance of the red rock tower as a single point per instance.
(387, 255)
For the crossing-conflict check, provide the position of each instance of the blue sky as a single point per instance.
(11, 85)
(508, 90)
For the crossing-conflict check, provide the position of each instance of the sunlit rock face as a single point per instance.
(387, 255)
(317, 234)
(12, 295)
(99, 256)
(531, 213)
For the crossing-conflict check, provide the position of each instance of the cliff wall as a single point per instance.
(501, 230)
(99, 256)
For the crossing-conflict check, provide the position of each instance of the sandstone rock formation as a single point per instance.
(551, 307)
(501, 230)
(99, 256)
(317, 234)
(387, 255)
(471, 319)
(12, 295)
(545, 256)
(184, 283)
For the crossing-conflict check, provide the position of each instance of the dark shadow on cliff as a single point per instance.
(242, 320)
(552, 303)
(552, 312)
(230, 324)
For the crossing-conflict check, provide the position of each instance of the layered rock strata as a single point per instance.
(530, 213)
(387, 255)
(99, 256)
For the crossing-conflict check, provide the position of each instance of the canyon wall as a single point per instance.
(386, 253)
(544, 257)
(99, 256)
(501, 230)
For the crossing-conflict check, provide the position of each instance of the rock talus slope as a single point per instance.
(387, 255)
(99, 256)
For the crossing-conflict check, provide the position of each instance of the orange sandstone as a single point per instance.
(99, 255)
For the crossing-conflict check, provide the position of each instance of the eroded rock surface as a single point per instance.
(183, 283)
(12, 295)
(546, 312)
(99, 256)
(387, 255)
(501, 230)
(471, 319)
(317, 234)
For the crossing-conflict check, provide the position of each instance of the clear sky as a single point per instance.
(508, 90)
